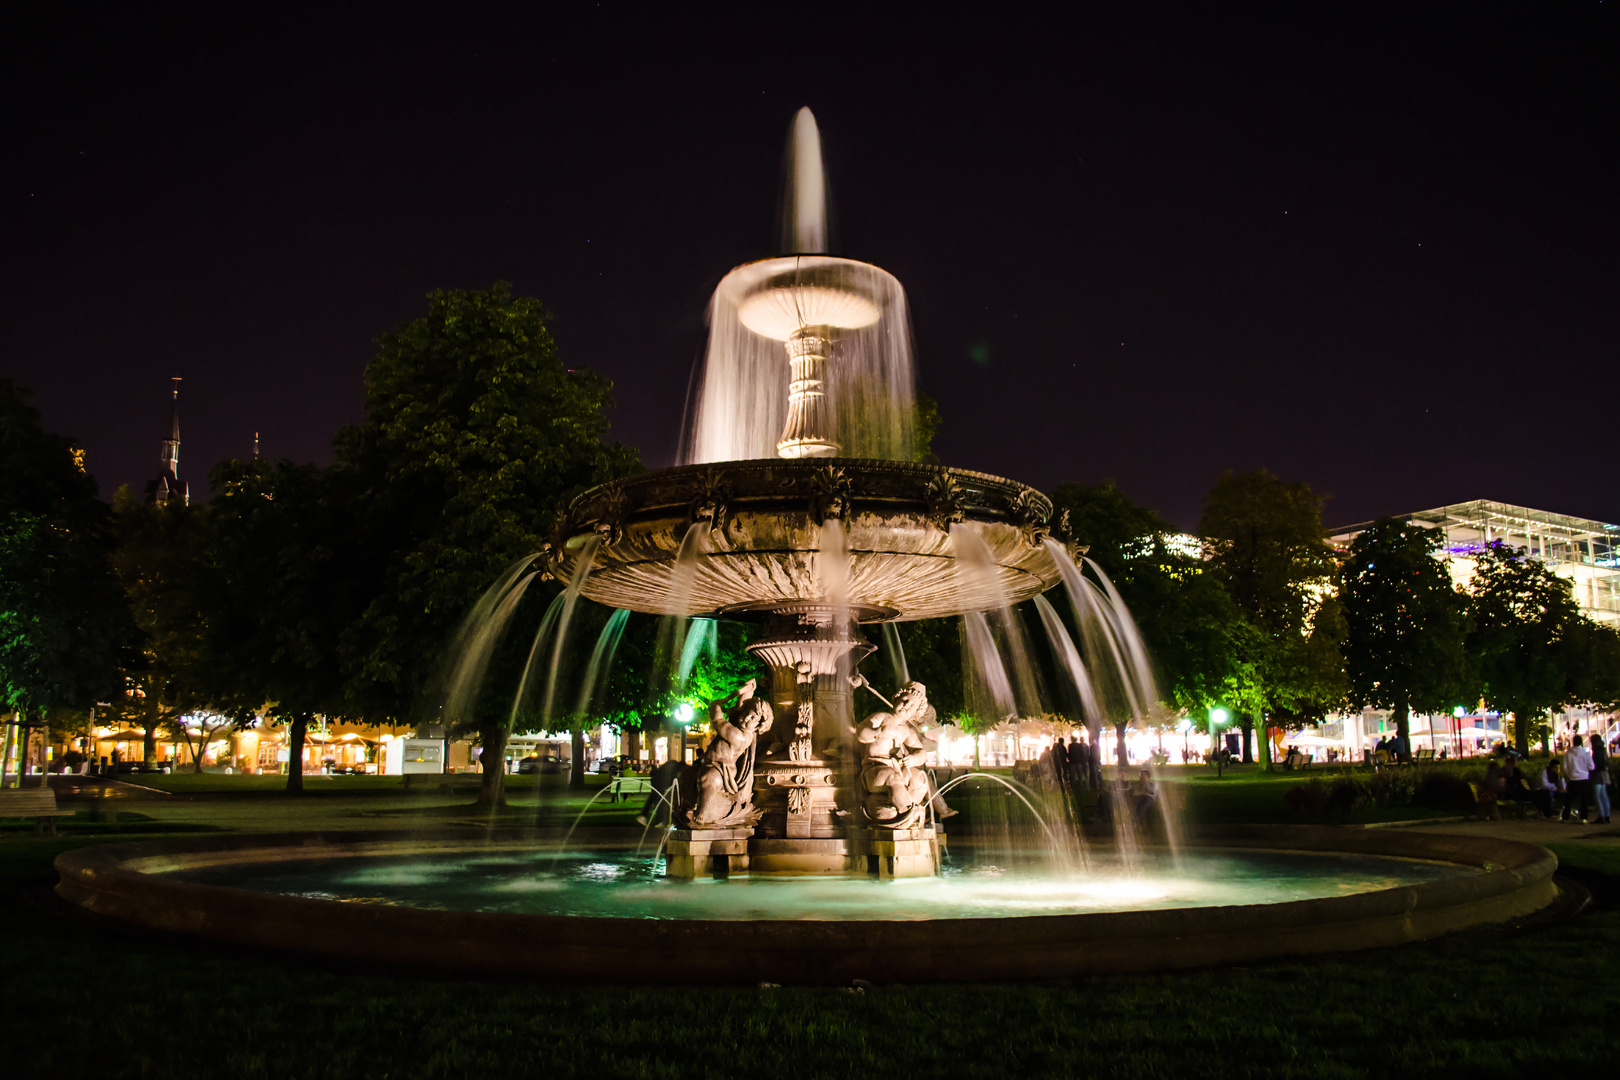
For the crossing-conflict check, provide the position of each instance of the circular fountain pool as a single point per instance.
(1241, 894)
(613, 885)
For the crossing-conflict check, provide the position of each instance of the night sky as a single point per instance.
(1369, 251)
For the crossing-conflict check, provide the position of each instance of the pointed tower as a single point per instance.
(168, 484)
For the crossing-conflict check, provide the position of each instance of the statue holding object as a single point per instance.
(725, 797)
(896, 790)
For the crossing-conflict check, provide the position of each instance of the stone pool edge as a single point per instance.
(125, 881)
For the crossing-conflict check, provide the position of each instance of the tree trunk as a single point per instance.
(149, 738)
(1265, 741)
(1248, 737)
(492, 759)
(5, 750)
(295, 753)
(1119, 749)
(576, 766)
(1403, 727)
(1521, 736)
(1094, 752)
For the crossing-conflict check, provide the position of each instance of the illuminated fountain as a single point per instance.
(798, 506)
(799, 510)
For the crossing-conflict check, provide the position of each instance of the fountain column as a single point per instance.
(808, 431)
(804, 779)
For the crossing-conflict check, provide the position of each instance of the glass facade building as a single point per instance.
(1587, 552)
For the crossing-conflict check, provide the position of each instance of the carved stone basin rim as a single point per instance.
(760, 530)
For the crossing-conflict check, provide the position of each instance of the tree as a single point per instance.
(63, 628)
(1199, 640)
(159, 549)
(281, 579)
(1268, 548)
(925, 426)
(1405, 623)
(1528, 638)
(475, 435)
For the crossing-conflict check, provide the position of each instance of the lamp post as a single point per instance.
(683, 715)
(1185, 727)
(1457, 717)
(1217, 717)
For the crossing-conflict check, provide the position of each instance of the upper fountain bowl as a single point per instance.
(759, 546)
(776, 297)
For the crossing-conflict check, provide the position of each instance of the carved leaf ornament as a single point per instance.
(947, 504)
(829, 494)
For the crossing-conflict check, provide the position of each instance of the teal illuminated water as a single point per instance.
(623, 885)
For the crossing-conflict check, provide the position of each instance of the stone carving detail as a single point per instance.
(800, 749)
(894, 787)
(712, 504)
(829, 494)
(947, 503)
(613, 507)
(1030, 512)
(725, 782)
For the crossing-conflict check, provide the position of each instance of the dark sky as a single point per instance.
(1373, 251)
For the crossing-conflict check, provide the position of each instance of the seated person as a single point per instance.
(1519, 789)
(1144, 795)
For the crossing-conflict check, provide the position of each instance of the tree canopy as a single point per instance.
(1267, 546)
(1528, 640)
(64, 631)
(475, 435)
(1405, 622)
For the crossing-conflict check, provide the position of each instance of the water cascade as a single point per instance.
(596, 672)
(570, 600)
(480, 632)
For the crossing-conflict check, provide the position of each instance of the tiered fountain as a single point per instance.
(813, 542)
(799, 507)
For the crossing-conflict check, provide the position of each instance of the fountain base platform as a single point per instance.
(881, 853)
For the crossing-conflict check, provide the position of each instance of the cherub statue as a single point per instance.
(725, 798)
(896, 788)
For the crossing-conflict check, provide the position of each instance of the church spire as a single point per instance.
(168, 485)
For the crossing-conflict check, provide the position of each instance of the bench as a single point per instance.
(621, 788)
(1423, 757)
(37, 803)
(1488, 803)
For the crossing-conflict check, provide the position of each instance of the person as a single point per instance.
(1144, 795)
(1079, 768)
(1533, 790)
(663, 792)
(1381, 745)
(1577, 779)
(1600, 779)
(1056, 757)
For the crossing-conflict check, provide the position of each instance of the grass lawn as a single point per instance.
(83, 997)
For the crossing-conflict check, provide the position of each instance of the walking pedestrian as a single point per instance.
(1577, 779)
(1600, 779)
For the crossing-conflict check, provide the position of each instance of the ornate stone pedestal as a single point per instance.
(804, 783)
(894, 853)
(692, 853)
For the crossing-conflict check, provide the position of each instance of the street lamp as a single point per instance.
(1217, 717)
(1458, 713)
(1185, 727)
(683, 716)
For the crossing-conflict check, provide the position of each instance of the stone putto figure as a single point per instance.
(725, 797)
(896, 791)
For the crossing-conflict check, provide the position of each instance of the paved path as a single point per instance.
(1532, 830)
